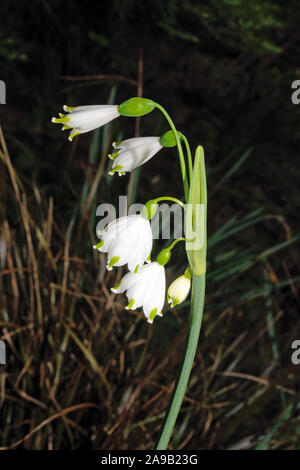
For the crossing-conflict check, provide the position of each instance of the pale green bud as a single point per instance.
(168, 139)
(135, 107)
(195, 226)
(179, 289)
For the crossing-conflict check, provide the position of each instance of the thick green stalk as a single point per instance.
(195, 321)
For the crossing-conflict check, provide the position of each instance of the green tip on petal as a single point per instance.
(152, 314)
(99, 245)
(172, 301)
(116, 287)
(69, 108)
(66, 127)
(130, 305)
(116, 168)
(112, 156)
(136, 269)
(61, 120)
(112, 262)
(71, 136)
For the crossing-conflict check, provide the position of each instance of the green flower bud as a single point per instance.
(195, 222)
(135, 107)
(163, 256)
(168, 139)
(150, 209)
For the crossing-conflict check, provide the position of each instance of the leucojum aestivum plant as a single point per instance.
(128, 240)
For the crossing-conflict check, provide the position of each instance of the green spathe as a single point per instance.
(135, 107)
(195, 226)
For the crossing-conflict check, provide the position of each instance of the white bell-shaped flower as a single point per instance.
(82, 119)
(146, 288)
(127, 240)
(132, 153)
(179, 289)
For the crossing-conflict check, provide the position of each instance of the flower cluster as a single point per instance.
(128, 240)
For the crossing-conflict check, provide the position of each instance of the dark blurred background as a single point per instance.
(80, 372)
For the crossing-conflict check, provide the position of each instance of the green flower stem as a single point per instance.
(189, 155)
(169, 198)
(195, 320)
(181, 239)
(180, 151)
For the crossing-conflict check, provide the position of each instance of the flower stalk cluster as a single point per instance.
(128, 240)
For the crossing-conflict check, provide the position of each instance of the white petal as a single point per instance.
(121, 250)
(89, 107)
(115, 230)
(135, 142)
(136, 257)
(131, 158)
(139, 289)
(155, 297)
(141, 232)
(74, 132)
(179, 289)
(125, 283)
(145, 289)
(130, 239)
(90, 119)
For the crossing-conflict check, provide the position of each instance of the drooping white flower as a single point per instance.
(86, 118)
(127, 240)
(179, 289)
(132, 153)
(146, 288)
